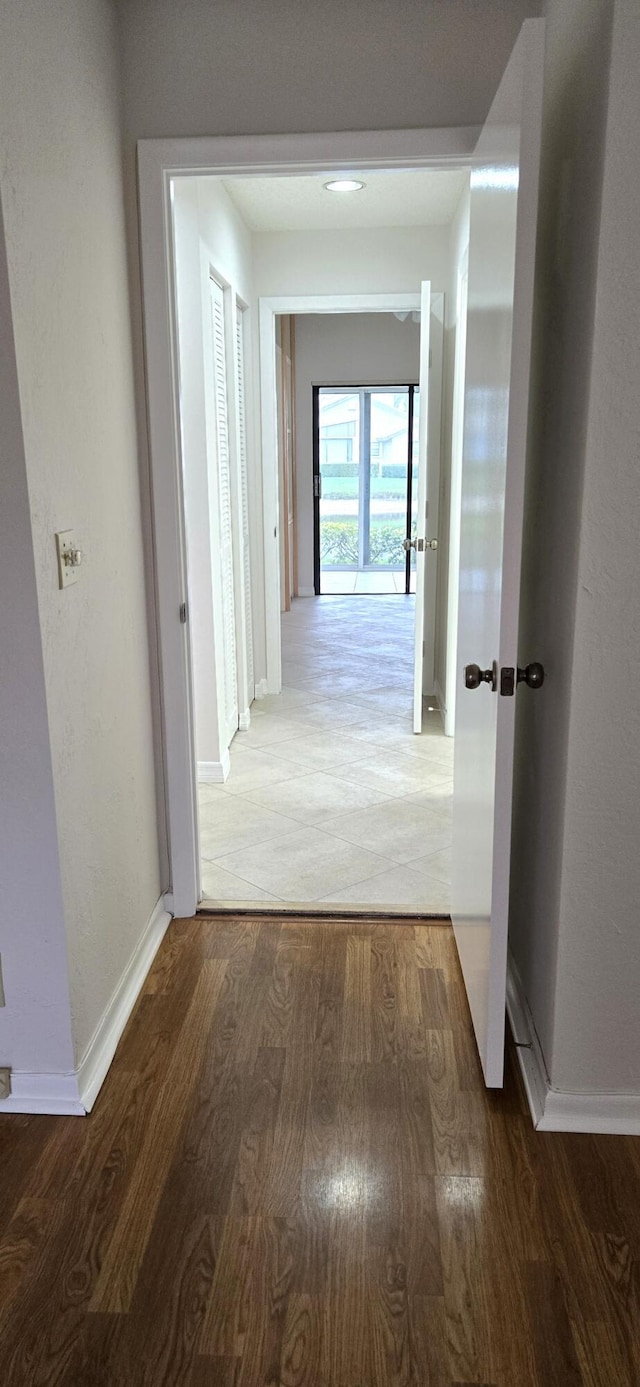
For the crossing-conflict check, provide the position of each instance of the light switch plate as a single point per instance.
(65, 544)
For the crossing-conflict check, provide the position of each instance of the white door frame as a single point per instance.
(455, 494)
(159, 162)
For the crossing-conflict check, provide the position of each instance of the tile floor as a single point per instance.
(331, 798)
(335, 581)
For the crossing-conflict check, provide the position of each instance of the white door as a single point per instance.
(504, 195)
(223, 562)
(420, 539)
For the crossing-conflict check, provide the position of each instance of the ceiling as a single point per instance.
(428, 197)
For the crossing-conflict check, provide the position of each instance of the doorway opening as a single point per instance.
(312, 785)
(365, 464)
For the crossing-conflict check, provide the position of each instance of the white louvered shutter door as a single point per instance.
(224, 492)
(244, 498)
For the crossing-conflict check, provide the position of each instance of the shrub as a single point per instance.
(339, 544)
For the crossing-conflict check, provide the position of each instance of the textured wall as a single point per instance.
(62, 193)
(35, 1022)
(268, 66)
(575, 117)
(382, 260)
(597, 1023)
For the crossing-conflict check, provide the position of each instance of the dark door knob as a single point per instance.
(474, 676)
(532, 674)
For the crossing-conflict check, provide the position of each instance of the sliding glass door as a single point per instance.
(365, 449)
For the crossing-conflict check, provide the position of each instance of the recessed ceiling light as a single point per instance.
(344, 185)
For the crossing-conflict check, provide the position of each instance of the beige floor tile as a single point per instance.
(321, 751)
(312, 798)
(252, 770)
(282, 703)
(435, 864)
(299, 866)
(392, 773)
(236, 823)
(399, 886)
(270, 728)
(396, 829)
(218, 885)
(209, 792)
(437, 798)
(334, 713)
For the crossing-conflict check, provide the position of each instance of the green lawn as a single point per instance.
(346, 488)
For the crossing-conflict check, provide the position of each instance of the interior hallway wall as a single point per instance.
(61, 170)
(35, 1018)
(264, 66)
(342, 349)
(575, 867)
(374, 260)
(597, 1017)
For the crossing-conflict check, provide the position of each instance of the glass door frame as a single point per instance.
(365, 391)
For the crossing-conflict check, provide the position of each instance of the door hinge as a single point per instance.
(183, 613)
(317, 486)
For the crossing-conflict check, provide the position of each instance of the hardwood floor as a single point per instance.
(293, 1176)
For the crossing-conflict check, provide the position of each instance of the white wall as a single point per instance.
(62, 193)
(342, 349)
(597, 1015)
(209, 233)
(35, 1023)
(384, 260)
(576, 830)
(243, 66)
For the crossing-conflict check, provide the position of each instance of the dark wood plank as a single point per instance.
(555, 1353)
(356, 1032)
(386, 1037)
(255, 1151)
(300, 1358)
(118, 1273)
(459, 1202)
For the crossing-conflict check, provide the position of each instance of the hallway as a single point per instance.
(331, 798)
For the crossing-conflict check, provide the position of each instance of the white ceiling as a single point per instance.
(396, 198)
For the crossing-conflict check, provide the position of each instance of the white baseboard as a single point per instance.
(306, 592)
(262, 688)
(74, 1094)
(99, 1053)
(57, 1094)
(552, 1109)
(244, 720)
(214, 772)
